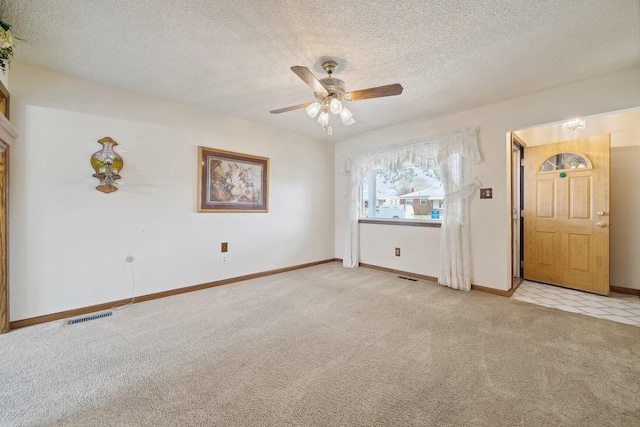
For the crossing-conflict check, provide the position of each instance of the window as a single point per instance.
(458, 151)
(436, 203)
(564, 161)
(401, 194)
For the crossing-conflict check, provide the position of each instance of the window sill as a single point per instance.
(409, 222)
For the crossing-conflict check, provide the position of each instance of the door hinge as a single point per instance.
(521, 263)
(521, 213)
(521, 162)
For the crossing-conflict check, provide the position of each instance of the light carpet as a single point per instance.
(324, 346)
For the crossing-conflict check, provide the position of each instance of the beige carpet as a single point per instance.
(324, 346)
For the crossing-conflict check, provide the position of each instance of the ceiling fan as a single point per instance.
(329, 93)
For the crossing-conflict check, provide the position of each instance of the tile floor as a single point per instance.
(617, 307)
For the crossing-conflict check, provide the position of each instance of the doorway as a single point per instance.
(517, 229)
(566, 221)
(624, 130)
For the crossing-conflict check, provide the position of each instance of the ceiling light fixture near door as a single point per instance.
(572, 125)
(330, 92)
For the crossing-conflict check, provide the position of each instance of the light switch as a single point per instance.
(486, 193)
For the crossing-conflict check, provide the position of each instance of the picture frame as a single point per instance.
(232, 182)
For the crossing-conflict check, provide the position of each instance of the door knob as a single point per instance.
(601, 224)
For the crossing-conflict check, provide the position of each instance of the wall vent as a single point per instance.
(408, 278)
(91, 317)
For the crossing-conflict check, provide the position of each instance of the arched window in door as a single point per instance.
(563, 161)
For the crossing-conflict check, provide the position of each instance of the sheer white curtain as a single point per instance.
(455, 152)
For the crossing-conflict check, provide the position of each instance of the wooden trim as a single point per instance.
(493, 291)
(4, 100)
(435, 279)
(411, 223)
(518, 140)
(621, 290)
(4, 210)
(515, 283)
(109, 305)
(4, 264)
(404, 273)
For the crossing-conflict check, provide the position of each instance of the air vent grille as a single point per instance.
(91, 317)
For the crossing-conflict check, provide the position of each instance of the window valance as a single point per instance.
(423, 153)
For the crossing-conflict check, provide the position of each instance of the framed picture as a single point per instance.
(232, 182)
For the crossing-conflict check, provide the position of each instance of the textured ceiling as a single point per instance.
(233, 56)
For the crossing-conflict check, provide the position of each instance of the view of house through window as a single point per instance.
(410, 193)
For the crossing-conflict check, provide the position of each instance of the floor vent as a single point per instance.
(91, 317)
(408, 278)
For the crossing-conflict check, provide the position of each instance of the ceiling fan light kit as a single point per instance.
(323, 118)
(313, 109)
(347, 117)
(335, 106)
(329, 93)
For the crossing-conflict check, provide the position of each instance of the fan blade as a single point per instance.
(295, 107)
(376, 92)
(308, 77)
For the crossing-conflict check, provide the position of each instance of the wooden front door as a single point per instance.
(566, 200)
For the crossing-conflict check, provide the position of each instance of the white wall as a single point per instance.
(490, 222)
(418, 253)
(625, 215)
(68, 241)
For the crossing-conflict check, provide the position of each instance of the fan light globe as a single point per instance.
(335, 106)
(347, 117)
(323, 119)
(313, 109)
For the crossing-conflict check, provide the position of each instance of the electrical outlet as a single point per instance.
(397, 251)
(224, 258)
(225, 247)
(129, 258)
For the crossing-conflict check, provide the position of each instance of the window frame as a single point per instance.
(415, 222)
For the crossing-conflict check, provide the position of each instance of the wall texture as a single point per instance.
(490, 218)
(68, 242)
